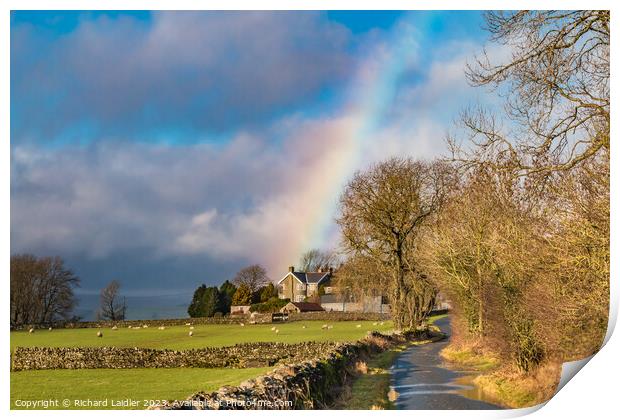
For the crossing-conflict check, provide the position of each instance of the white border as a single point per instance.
(592, 394)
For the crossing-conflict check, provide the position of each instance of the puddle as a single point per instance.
(468, 389)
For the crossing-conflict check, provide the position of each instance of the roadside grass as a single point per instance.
(470, 357)
(370, 390)
(177, 337)
(517, 390)
(141, 385)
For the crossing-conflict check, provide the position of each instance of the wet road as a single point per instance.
(423, 383)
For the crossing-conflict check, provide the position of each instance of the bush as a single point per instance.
(272, 305)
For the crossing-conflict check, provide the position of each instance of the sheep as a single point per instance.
(358, 326)
(242, 324)
(161, 328)
(31, 330)
(303, 326)
(277, 331)
(273, 328)
(191, 328)
(49, 329)
(191, 333)
(329, 327)
(99, 334)
(187, 324)
(115, 327)
(324, 327)
(381, 323)
(145, 326)
(375, 323)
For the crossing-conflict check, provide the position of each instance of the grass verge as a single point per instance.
(370, 390)
(517, 390)
(470, 357)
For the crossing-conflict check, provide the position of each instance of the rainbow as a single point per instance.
(371, 96)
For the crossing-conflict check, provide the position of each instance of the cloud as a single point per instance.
(261, 195)
(182, 74)
(250, 199)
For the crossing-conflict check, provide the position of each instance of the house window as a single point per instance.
(328, 290)
(300, 287)
(299, 298)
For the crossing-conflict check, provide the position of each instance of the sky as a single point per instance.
(170, 149)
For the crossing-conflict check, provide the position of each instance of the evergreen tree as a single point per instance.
(211, 301)
(227, 291)
(195, 308)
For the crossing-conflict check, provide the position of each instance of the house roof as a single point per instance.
(308, 306)
(308, 277)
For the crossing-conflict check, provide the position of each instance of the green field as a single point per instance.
(140, 385)
(177, 338)
(151, 384)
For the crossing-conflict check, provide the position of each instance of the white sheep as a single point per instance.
(161, 328)
(303, 326)
(114, 327)
(324, 327)
(99, 334)
(49, 329)
(242, 324)
(374, 323)
(358, 326)
(187, 324)
(191, 328)
(191, 333)
(329, 327)
(31, 330)
(273, 328)
(145, 326)
(277, 331)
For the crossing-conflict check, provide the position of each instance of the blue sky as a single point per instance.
(168, 149)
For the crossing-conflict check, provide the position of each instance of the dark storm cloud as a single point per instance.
(174, 76)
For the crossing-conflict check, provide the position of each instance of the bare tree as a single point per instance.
(253, 276)
(557, 87)
(41, 290)
(382, 211)
(315, 260)
(113, 307)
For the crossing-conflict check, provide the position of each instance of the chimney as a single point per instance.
(291, 269)
(331, 271)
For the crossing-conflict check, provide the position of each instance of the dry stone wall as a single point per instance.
(338, 316)
(238, 356)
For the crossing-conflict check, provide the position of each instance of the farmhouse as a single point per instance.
(299, 285)
(320, 288)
